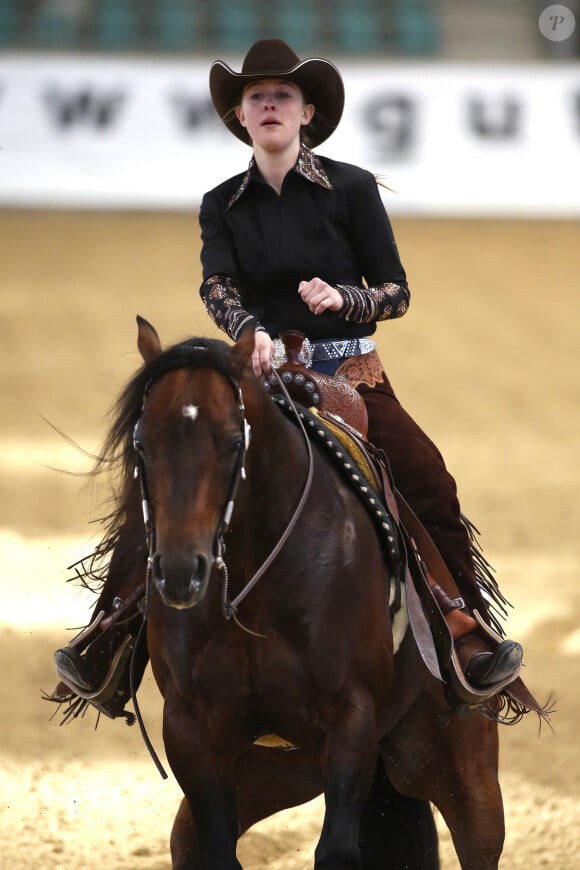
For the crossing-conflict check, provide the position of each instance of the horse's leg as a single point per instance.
(350, 762)
(207, 780)
(267, 781)
(452, 761)
(397, 831)
(471, 804)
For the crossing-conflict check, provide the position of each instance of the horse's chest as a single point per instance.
(270, 685)
(221, 674)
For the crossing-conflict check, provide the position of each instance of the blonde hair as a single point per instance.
(381, 183)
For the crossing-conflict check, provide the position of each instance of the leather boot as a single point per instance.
(484, 663)
(83, 681)
(75, 670)
(94, 666)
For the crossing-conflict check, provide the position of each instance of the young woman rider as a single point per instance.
(303, 242)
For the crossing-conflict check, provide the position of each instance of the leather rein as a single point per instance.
(219, 547)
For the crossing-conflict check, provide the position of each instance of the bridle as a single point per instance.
(239, 473)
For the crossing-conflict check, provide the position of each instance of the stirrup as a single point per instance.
(468, 694)
(88, 630)
(110, 684)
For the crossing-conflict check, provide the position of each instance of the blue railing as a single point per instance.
(358, 27)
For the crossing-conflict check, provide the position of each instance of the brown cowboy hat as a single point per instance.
(319, 80)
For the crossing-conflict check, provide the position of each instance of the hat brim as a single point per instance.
(318, 79)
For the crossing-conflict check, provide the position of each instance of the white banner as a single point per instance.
(450, 139)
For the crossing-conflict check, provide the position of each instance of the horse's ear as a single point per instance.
(148, 341)
(244, 346)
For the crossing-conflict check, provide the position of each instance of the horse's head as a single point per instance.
(191, 440)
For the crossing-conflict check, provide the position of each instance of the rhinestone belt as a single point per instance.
(324, 349)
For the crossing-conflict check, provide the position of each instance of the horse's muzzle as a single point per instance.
(181, 577)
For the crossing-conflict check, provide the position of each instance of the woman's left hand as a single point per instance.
(320, 296)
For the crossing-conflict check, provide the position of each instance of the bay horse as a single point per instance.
(307, 652)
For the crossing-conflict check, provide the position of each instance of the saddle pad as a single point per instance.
(350, 443)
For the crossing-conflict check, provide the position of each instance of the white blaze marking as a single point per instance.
(190, 411)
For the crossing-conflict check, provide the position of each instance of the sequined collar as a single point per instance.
(308, 165)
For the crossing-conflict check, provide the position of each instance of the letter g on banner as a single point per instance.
(391, 119)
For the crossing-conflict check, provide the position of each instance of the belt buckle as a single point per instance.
(280, 357)
(306, 354)
(366, 345)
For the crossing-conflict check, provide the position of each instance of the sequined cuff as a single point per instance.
(223, 303)
(369, 304)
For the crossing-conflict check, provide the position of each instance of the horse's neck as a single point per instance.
(276, 461)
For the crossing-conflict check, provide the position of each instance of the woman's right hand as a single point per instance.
(262, 353)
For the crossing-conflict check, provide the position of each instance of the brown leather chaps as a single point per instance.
(419, 472)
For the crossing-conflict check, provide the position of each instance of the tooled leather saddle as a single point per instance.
(330, 395)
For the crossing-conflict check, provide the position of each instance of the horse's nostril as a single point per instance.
(200, 569)
(180, 576)
(156, 567)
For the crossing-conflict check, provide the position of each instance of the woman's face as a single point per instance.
(273, 111)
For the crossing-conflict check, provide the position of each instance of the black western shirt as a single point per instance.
(328, 222)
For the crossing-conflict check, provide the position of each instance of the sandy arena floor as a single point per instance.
(486, 360)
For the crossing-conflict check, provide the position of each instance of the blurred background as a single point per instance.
(105, 104)
(470, 113)
(442, 29)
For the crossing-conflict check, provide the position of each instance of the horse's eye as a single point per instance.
(235, 445)
(137, 442)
